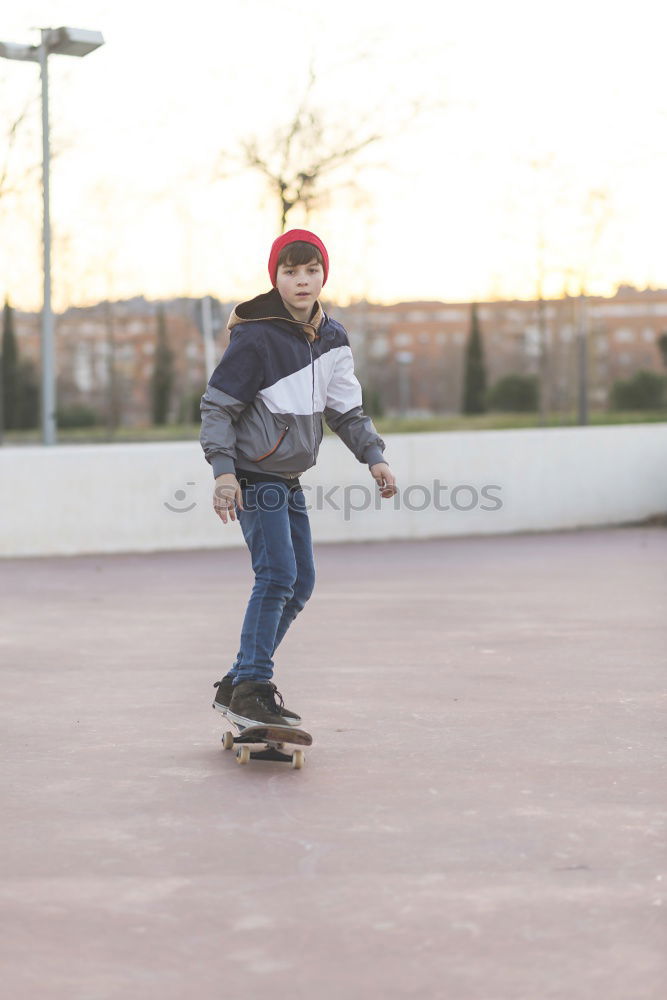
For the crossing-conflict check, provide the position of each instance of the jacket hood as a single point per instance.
(270, 306)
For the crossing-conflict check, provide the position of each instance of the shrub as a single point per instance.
(515, 394)
(77, 415)
(644, 391)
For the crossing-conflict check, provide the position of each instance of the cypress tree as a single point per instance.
(9, 386)
(474, 376)
(163, 373)
(662, 347)
(28, 395)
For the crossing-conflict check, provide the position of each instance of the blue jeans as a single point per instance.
(276, 529)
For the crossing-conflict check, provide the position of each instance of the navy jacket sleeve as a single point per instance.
(232, 386)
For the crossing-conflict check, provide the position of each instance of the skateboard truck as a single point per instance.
(273, 738)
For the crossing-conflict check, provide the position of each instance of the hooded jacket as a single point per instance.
(263, 406)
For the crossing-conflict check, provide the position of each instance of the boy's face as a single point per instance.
(299, 286)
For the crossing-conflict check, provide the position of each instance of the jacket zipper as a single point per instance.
(312, 398)
(261, 457)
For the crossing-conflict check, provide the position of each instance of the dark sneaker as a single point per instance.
(291, 718)
(254, 703)
(224, 696)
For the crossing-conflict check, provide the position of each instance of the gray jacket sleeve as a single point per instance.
(232, 386)
(219, 413)
(344, 414)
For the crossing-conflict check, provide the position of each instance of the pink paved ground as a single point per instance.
(481, 816)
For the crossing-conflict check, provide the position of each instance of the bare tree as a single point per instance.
(538, 164)
(297, 160)
(17, 122)
(593, 215)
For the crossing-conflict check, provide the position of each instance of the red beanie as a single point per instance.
(293, 236)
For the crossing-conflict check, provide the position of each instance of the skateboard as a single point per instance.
(274, 739)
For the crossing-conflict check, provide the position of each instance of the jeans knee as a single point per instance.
(303, 588)
(282, 583)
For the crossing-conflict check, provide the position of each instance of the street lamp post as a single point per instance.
(67, 42)
(404, 359)
(582, 358)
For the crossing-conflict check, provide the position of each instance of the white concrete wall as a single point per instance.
(114, 498)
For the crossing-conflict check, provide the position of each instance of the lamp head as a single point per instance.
(73, 41)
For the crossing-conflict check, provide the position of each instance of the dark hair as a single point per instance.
(299, 252)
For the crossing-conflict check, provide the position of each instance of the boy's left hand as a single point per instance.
(384, 477)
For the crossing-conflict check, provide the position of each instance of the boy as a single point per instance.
(287, 365)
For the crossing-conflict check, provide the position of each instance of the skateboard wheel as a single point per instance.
(298, 758)
(243, 754)
(228, 740)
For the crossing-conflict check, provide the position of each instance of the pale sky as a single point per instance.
(549, 124)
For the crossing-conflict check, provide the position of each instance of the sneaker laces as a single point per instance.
(278, 705)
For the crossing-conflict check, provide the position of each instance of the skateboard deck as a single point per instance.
(274, 739)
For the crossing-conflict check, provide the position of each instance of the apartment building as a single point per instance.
(105, 355)
(411, 354)
(414, 352)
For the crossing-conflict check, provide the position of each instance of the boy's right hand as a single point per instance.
(227, 490)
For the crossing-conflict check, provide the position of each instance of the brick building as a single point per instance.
(411, 354)
(105, 356)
